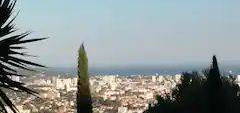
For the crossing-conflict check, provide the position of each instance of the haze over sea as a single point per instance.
(143, 70)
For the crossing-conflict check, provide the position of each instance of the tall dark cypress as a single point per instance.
(84, 100)
(213, 88)
(214, 74)
(211, 93)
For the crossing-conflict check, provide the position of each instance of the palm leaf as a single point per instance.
(11, 55)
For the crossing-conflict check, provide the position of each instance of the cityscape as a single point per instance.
(126, 56)
(111, 93)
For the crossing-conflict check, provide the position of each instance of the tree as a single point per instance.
(185, 98)
(213, 87)
(211, 93)
(84, 100)
(11, 55)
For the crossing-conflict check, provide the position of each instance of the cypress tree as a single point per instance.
(211, 93)
(213, 88)
(213, 75)
(84, 100)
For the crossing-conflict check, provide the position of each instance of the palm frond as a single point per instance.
(12, 54)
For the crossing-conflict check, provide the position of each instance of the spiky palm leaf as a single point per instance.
(10, 52)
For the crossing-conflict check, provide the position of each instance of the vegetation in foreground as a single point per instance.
(84, 100)
(11, 55)
(211, 93)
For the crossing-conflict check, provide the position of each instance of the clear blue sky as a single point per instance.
(127, 32)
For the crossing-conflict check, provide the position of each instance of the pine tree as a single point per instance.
(84, 100)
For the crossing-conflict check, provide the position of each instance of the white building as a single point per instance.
(122, 110)
(67, 84)
(154, 78)
(160, 79)
(178, 78)
(238, 79)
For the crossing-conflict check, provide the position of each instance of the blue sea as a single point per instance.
(142, 70)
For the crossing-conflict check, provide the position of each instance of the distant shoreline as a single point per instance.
(140, 70)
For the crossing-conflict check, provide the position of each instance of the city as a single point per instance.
(111, 93)
(124, 56)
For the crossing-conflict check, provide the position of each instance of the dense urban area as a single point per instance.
(110, 93)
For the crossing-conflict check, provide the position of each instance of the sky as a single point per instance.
(131, 32)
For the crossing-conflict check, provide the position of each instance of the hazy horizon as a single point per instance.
(144, 69)
(137, 32)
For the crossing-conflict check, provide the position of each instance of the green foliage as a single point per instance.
(11, 55)
(211, 93)
(84, 100)
(164, 105)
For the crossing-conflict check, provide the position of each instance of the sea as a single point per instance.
(142, 70)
